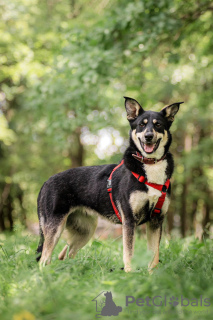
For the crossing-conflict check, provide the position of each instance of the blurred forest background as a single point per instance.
(65, 66)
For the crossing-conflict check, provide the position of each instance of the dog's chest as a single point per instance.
(139, 199)
(155, 173)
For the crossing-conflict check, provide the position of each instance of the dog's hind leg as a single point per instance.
(52, 232)
(63, 253)
(41, 223)
(80, 227)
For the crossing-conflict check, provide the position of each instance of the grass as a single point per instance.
(65, 289)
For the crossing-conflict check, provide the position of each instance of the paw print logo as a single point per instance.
(174, 301)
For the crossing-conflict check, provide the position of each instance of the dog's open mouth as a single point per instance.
(150, 147)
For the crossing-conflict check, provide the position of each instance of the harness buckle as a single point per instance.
(109, 184)
(156, 211)
(144, 179)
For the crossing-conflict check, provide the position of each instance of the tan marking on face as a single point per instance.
(154, 121)
(165, 137)
(141, 134)
(135, 139)
(145, 121)
(155, 133)
(160, 150)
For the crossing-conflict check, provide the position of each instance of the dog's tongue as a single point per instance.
(149, 148)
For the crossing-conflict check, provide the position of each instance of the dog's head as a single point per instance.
(149, 129)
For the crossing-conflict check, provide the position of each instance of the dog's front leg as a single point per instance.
(153, 233)
(128, 242)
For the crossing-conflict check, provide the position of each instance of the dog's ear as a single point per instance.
(170, 111)
(133, 108)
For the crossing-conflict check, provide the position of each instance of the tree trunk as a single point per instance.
(4, 196)
(170, 217)
(9, 213)
(23, 217)
(193, 216)
(183, 210)
(2, 224)
(206, 223)
(170, 214)
(206, 220)
(77, 149)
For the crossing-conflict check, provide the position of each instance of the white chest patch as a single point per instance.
(156, 173)
(138, 199)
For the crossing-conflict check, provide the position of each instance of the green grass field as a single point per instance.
(65, 289)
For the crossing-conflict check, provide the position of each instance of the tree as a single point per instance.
(66, 66)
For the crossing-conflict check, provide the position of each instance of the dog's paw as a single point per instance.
(127, 269)
(152, 267)
(43, 263)
(150, 271)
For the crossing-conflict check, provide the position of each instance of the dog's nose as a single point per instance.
(149, 136)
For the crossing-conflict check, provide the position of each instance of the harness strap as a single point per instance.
(161, 199)
(109, 189)
(161, 187)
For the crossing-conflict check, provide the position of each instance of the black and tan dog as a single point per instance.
(137, 192)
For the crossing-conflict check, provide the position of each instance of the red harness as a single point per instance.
(161, 187)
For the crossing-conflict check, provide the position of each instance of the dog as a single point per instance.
(136, 191)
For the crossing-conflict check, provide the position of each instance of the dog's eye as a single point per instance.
(142, 125)
(158, 125)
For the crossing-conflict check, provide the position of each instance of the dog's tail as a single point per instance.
(41, 241)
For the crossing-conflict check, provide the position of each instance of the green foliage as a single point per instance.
(65, 66)
(65, 289)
